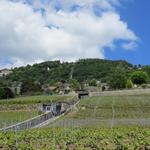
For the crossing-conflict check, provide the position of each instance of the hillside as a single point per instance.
(105, 122)
(54, 71)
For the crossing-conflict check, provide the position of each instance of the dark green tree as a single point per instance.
(139, 77)
(75, 84)
(2, 92)
(28, 87)
(92, 82)
(118, 79)
(6, 93)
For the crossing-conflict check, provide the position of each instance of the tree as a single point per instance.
(2, 92)
(117, 79)
(30, 87)
(129, 84)
(6, 93)
(93, 83)
(139, 77)
(75, 84)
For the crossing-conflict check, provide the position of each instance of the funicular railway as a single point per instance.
(49, 113)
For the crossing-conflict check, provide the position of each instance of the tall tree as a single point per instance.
(117, 79)
(139, 77)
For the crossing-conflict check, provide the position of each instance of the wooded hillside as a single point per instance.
(117, 74)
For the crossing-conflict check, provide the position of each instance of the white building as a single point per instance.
(5, 72)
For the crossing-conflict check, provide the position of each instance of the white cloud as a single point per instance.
(129, 46)
(25, 37)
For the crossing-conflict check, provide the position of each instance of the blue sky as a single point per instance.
(32, 31)
(137, 14)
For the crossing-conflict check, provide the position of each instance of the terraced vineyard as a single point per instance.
(96, 123)
(27, 103)
(109, 111)
(23, 108)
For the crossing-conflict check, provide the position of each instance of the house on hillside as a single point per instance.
(65, 88)
(5, 72)
(53, 88)
(59, 88)
(50, 89)
(105, 87)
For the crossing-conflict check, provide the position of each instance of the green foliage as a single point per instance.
(43, 72)
(92, 82)
(129, 84)
(2, 92)
(29, 87)
(10, 117)
(29, 102)
(75, 84)
(118, 79)
(55, 71)
(52, 72)
(78, 139)
(88, 137)
(6, 93)
(97, 107)
(88, 69)
(139, 77)
(147, 70)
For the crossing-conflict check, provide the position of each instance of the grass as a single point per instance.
(104, 122)
(12, 117)
(123, 107)
(29, 102)
(109, 111)
(31, 99)
(15, 110)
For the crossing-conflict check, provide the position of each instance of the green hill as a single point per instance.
(32, 78)
(54, 71)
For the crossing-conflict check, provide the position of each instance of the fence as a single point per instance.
(121, 92)
(40, 120)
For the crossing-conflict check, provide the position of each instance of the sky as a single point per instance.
(33, 31)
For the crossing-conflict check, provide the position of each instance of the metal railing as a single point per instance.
(40, 120)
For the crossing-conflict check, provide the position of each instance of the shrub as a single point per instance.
(75, 84)
(129, 84)
(93, 83)
(6, 93)
(2, 91)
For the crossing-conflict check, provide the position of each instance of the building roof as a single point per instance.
(53, 88)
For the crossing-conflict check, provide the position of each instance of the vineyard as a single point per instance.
(96, 123)
(23, 108)
(109, 111)
(27, 103)
(10, 118)
(77, 139)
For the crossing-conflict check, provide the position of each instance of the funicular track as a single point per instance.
(41, 120)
